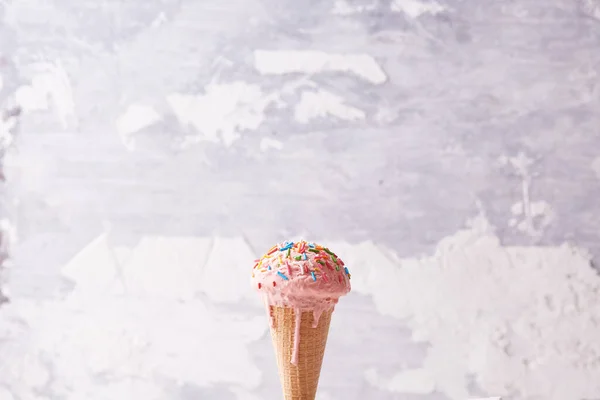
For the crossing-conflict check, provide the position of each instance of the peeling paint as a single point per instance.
(312, 62)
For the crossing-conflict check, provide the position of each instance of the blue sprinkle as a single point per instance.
(311, 245)
(286, 246)
(269, 267)
(346, 269)
(304, 254)
(313, 275)
(282, 275)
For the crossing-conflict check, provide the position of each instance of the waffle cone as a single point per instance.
(299, 381)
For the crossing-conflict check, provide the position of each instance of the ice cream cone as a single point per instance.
(300, 380)
(300, 284)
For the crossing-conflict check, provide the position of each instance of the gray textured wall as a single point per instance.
(174, 140)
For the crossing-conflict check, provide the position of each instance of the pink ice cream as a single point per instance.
(303, 276)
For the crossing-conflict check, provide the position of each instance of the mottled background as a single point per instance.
(448, 150)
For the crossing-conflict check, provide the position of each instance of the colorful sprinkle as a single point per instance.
(282, 275)
(286, 247)
(281, 256)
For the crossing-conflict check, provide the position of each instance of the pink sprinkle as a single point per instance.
(329, 265)
(325, 277)
(340, 278)
(289, 268)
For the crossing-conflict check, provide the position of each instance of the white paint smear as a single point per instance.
(141, 326)
(50, 86)
(135, 118)
(232, 286)
(342, 7)
(532, 217)
(591, 8)
(522, 321)
(5, 394)
(93, 269)
(596, 167)
(280, 62)
(529, 216)
(267, 143)
(416, 381)
(242, 394)
(322, 104)
(175, 268)
(488, 398)
(416, 8)
(120, 338)
(222, 112)
(166, 267)
(6, 131)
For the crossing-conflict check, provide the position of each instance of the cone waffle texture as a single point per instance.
(299, 381)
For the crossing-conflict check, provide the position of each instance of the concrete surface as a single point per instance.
(166, 141)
